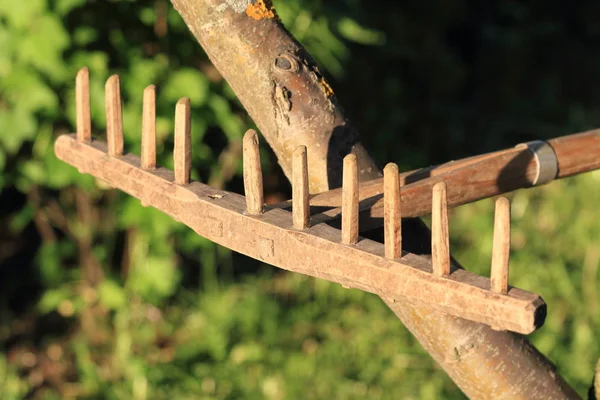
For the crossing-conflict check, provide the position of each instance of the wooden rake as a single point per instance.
(288, 236)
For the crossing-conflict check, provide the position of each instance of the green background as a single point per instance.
(102, 298)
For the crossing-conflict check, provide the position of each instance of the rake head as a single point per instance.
(296, 240)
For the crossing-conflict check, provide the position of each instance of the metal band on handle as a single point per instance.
(547, 163)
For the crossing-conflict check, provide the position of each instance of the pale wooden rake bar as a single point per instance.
(244, 225)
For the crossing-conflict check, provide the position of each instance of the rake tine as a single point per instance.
(182, 153)
(253, 184)
(440, 242)
(149, 128)
(114, 116)
(392, 212)
(300, 202)
(82, 105)
(501, 249)
(350, 200)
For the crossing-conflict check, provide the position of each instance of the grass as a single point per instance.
(278, 335)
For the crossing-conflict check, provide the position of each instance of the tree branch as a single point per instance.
(283, 91)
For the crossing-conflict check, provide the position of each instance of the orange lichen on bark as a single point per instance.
(260, 9)
(326, 87)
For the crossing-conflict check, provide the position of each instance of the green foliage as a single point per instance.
(120, 301)
(12, 386)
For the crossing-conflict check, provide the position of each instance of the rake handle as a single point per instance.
(468, 180)
(577, 153)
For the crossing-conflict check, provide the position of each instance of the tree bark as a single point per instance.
(292, 104)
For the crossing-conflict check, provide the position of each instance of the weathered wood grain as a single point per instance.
(467, 180)
(300, 201)
(182, 152)
(501, 247)
(253, 181)
(114, 116)
(440, 239)
(577, 153)
(149, 128)
(220, 216)
(392, 212)
(82, 105)
(350, 200)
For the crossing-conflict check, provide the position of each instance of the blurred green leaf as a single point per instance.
(186, 82)
(63, 7)
(351, 30)
(17, 127)
(42, 47)
(52, 298)
(84, 35)
(112, 295)
(27, 91)
(13, 388)
(21, 218)
(21, 14)
(33, 171)
(2, 161)
(49, 259)
(154, 279)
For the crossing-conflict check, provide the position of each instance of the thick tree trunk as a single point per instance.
(292, 104)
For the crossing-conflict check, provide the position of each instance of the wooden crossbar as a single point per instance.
(317, 251)
(293, 241)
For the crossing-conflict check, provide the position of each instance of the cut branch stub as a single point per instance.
(182, 153)
(149, 128)
(350, 200)
(82, 101)
(392, 213)
(440, 241)
(253, 183)
(300, 201)
(501, 248)
(114, 116)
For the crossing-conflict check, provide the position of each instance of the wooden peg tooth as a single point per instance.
(114, 116)
(350, 200)
(253, 183)
(182, 153)
(300, 201)
(149, 128)
(440, 241)
(501, 249)
(82, 105)
(391, 212)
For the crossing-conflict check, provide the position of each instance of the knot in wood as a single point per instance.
(287, 63)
